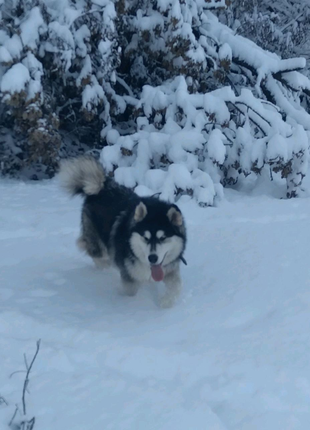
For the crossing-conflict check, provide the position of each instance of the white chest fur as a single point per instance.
(139, 271)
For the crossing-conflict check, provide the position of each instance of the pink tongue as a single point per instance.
(157, 273)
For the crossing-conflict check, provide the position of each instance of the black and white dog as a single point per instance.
(143, 236)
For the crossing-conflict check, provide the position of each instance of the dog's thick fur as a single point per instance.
(143, 236)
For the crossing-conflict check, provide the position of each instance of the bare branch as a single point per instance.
(2, 400)
(27, 376)
(251, 119)
(14, 415)
(28, 425)
(258, 114)
(26, 362)
(17, 371)
(292, 21)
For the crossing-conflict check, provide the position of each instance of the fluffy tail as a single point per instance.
(82, 175)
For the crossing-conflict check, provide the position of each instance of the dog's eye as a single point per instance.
(162, 239)
(147, 236)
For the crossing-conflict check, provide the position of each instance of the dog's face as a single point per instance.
(157, 238)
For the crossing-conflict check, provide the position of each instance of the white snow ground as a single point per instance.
(233, 354)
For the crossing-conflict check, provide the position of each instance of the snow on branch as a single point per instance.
(193, 143)
(247, 53)
(214, 4)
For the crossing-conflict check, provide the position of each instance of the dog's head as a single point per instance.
(158, 233)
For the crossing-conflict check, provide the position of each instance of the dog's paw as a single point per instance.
(130, 289)
(102, 263)
(166, 302)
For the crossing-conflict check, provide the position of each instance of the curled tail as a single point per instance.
(82, 175)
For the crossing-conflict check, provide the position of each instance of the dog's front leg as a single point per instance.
(174, 286)
(130, 287)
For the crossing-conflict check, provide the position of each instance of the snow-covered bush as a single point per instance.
(281, 26)
(239, 111)
(180, 103)
(56, 57)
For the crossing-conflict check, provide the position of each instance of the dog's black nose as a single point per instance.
(153, 258)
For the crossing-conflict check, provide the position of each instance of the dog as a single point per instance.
(144, 237)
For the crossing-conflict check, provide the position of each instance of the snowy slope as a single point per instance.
(233, 354)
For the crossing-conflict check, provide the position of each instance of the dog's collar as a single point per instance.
(183, 260)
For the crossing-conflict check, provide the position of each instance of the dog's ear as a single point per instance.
(140, 212)
(175, 216)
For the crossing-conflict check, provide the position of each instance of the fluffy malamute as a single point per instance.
(143, 236)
